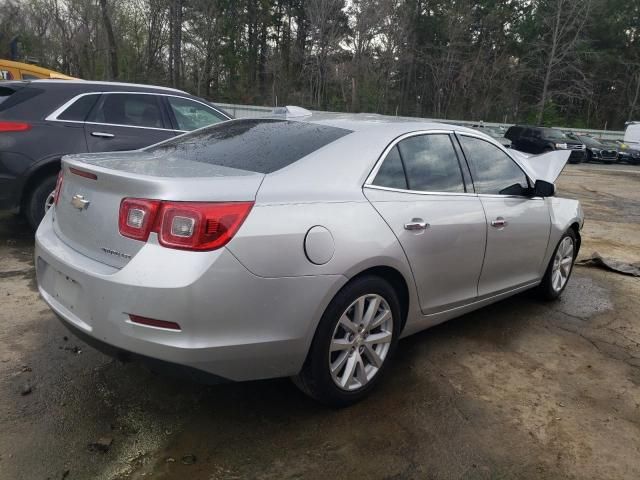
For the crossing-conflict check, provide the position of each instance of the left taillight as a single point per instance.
(137, 217)
(197, 226)
(58, 189)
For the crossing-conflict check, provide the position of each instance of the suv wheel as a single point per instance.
(353, 343)
(36, 204)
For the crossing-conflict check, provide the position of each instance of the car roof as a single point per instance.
(391, 126)
(109, 84)
(95, 85)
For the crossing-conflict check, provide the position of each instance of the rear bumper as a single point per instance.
(234, 324)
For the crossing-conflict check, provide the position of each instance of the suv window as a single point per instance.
(79, 110)
(192, 115)
(513, 132)
(256, 145)
(391, 173)
(493, 171)
(128, 109)
(431, 163)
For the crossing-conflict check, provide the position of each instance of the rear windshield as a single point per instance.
(255, 145)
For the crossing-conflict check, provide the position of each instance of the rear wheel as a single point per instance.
(353, 343)
(40, 197)
(560, 267)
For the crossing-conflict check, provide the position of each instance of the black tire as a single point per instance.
(546, 289)
(315, 378)
(34, 204)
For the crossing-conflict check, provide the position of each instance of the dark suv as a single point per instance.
(42, 120)
(537, 140)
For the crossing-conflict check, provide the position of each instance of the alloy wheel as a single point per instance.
(361, 341)
(48, 203)
(562, 263)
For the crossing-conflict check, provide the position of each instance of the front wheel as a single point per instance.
(353, 343)
(560, 267)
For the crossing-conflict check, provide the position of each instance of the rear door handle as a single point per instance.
(416, 224)
(102, 134)
(499, 222)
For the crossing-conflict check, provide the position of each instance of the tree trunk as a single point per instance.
(111, 41)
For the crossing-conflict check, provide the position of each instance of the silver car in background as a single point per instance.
(262, 248)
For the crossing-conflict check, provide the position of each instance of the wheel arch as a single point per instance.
(575, 226)
(396, 280)
(40, 172)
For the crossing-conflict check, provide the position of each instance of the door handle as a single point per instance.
(416, 224)
(499, 222)
(102, 134)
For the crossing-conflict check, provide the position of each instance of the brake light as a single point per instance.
(196, 226)
(58, 189)
(82, 173)
(137, 217)
(200, 226)
(14, 126)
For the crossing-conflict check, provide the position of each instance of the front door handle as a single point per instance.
(416, 224)
(499, 222)
(102, 134)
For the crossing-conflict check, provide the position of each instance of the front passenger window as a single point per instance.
(494, 172)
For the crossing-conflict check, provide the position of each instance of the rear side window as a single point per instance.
(431, 164)
(255, 145)
(12, 96)
(5, 93)
(79, 110)
(391, 173)
(128, 109)
(494, 172)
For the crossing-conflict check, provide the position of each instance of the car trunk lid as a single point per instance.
(94, 185)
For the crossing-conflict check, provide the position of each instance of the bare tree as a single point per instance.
(563, 22)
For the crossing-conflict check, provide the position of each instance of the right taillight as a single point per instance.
(14, 126)
(196, 226)
(58, 189)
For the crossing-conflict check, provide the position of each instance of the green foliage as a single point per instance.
(489, 59)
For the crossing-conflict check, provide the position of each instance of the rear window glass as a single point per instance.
(255, 145)
(79, 110)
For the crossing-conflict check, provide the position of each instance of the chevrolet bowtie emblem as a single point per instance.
(79, 202)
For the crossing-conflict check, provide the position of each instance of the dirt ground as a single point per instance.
(521, 389)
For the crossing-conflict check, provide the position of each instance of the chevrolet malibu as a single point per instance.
(307, 247)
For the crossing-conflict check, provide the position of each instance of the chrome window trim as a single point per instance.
(420, 192)
(368, 183)
(53, 116)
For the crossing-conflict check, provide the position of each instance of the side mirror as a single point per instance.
(544, 189)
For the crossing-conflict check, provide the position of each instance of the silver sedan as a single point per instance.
(305, 247)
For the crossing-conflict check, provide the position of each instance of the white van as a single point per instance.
(632, 134)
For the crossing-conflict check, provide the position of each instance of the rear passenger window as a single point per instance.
(391, 173)
(79, 110)
(129, 109)
(494, 172)
(431, 164)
